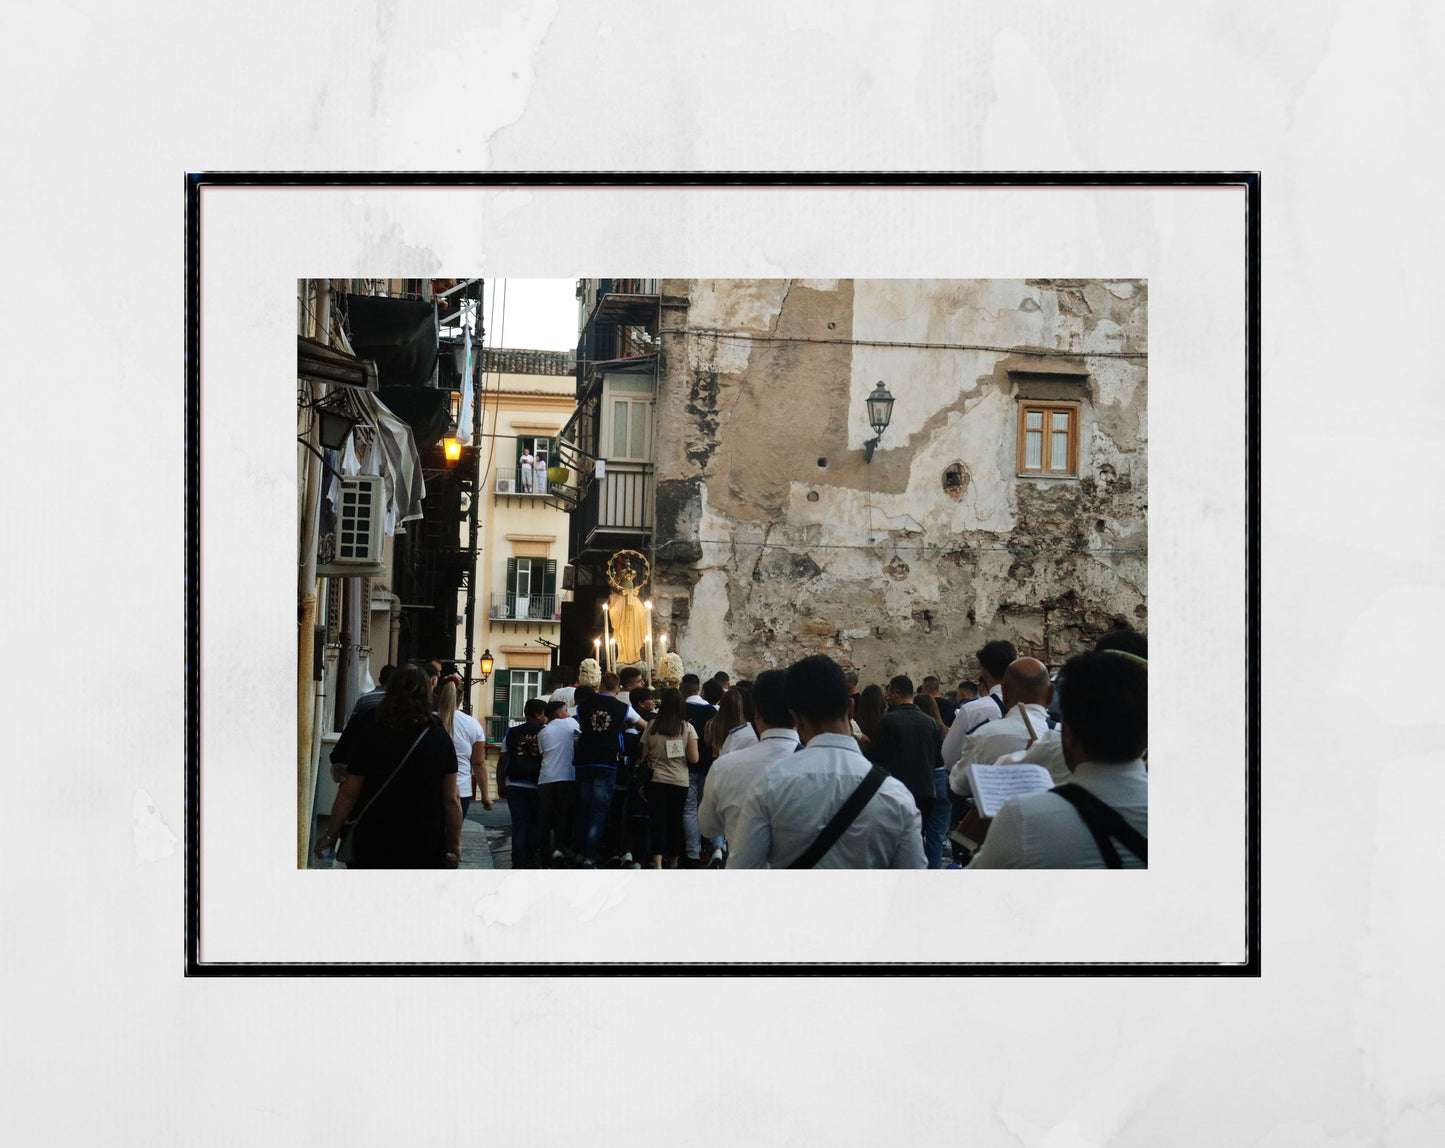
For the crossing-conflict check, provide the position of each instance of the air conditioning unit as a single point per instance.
(507, 485)
(355, 549)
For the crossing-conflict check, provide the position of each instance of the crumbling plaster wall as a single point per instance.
(775, 539)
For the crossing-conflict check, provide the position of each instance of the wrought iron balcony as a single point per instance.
(520, 480)
(526, 608)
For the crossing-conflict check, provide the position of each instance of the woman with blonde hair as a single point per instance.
(468, 740)
(729, 729)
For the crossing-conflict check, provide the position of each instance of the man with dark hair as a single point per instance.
(518, 771)
(909, 745)
(946, 707)
(989, 703)
(967, 691)
(372, 697)
(733, 774)
(787, 809)
(628, 679)
(1026, 693)
(722, 679)
(699, 704)
(1130, 641)
(993, 659)
(625, 838)
(1105, 733)
(602, 717)
(364, 704)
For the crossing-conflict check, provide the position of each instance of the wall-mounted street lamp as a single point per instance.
(452, 449)
(486, 667)
(335, 426)
(880, 412)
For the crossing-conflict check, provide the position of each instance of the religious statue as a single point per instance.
(626, 571)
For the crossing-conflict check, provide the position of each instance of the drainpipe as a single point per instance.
(394, 638)
(307, 696)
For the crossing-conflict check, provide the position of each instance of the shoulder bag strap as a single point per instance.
(845, 817)
(355, 820)
(1105, 822)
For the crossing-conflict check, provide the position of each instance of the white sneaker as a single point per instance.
(716, 860)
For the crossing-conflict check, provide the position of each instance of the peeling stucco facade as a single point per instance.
(775, 539)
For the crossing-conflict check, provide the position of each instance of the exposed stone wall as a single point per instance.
(775, 539)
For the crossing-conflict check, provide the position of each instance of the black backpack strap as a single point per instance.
(846, 815)
(1105, 822)
(998, 701)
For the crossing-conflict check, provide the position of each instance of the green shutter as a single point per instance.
(501, 686)
(518, 463)
(511, 580)
(549, 580)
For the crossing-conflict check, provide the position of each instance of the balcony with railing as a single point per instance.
(496, 726)
(522, 481)
(526, 608)
(616, 508)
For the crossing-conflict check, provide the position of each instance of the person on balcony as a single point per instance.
(524, 469)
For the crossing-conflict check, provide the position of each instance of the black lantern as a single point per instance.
(880, 412)
(335, 426)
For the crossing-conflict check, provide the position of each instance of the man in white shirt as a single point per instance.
(1027, 691)
(556, 784)
(524, 467)
(988, 705)
(994, 659)
(788, 806)
(733, 774)
(1104, 734)
(1048, 752)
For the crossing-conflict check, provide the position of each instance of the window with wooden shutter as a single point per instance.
(549, 588)
(501, 691)
(1048, 442)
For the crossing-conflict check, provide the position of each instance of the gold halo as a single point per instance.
(638, 583)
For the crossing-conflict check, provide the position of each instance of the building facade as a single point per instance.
(1006, 498)
(528, 396)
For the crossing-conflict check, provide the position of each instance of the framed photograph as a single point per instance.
(883, 418)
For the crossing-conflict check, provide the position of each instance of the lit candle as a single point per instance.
(648, 660)
(606, 635)
(648, 604)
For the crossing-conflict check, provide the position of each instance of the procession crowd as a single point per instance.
(796, 769)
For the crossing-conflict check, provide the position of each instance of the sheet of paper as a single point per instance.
(995, 784)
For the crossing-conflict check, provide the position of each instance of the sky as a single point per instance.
(540, 314)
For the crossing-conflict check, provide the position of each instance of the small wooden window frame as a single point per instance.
(1047, 408)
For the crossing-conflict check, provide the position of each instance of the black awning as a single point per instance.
(427, 410)
(400, 334)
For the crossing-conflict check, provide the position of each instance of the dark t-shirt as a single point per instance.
(947, 708)
(524, 754)
(406, 826)
(699, 716)
(602, 718)
(909, 745)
